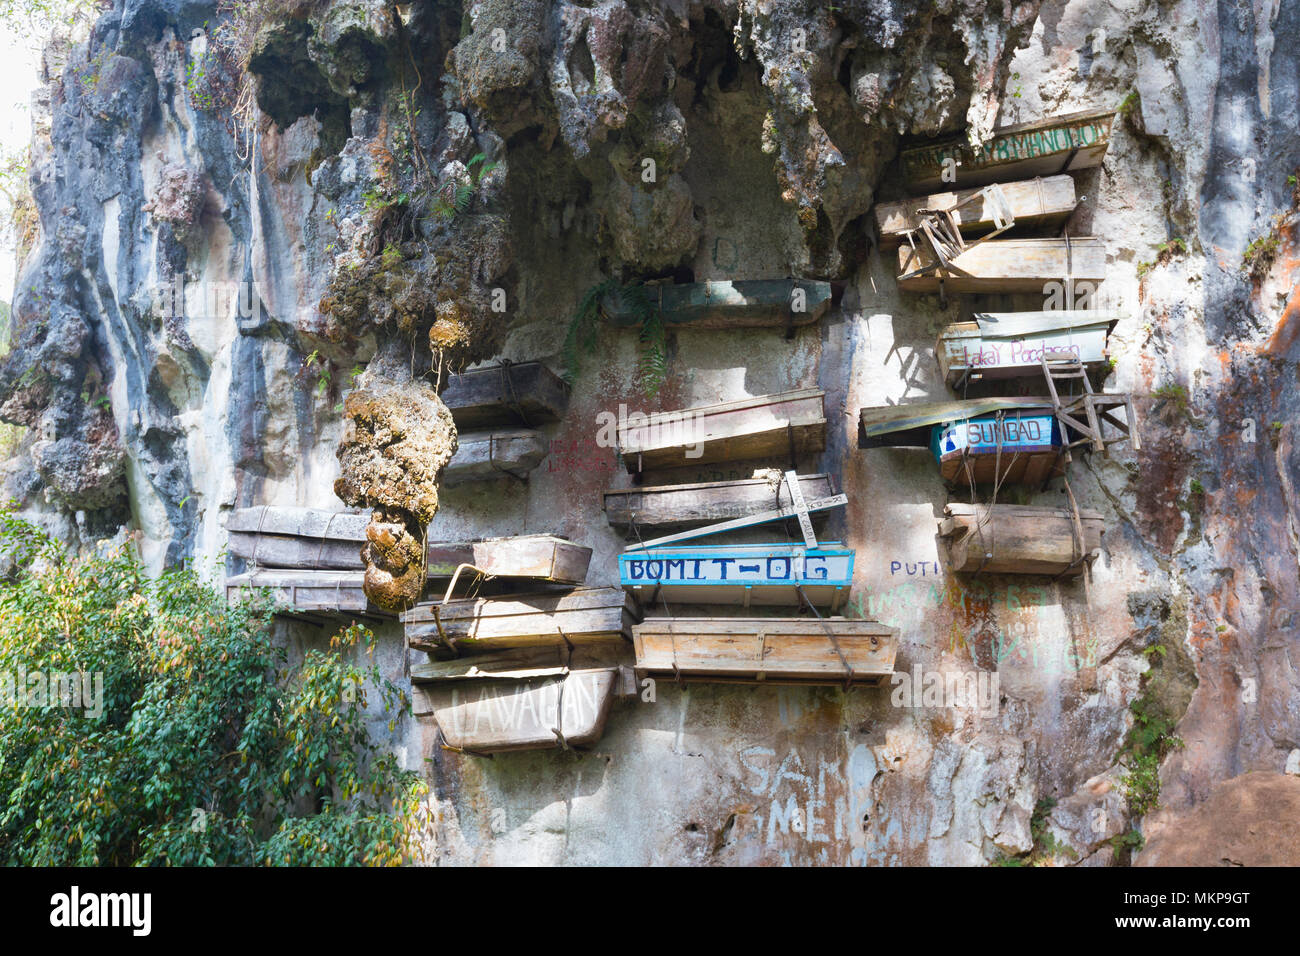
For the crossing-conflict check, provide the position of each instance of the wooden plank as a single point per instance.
(1008, 265)
(730, 304)
(1033, 202)
(582, 615)
(666, 507)
(788, 423)
(1020, 539)
(770, 650)
(524, 394)
(308, 592)
(745, 575)
(537, 713)
(1043, 147)
(785, 511)
(1011, 344)
(495, 454)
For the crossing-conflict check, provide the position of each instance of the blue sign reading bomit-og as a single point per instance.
(740, 574)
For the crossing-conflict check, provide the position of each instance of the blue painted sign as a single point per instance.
(1023, 434)
(771, 574)
(740, 565)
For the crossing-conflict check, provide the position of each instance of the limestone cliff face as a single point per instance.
(404, 189)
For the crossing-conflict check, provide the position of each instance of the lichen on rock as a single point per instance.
(397, 441)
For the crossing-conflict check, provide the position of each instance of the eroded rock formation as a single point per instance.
(404, 189)
(397, 441)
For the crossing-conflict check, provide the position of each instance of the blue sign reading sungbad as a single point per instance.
(982, 436)
(741, 565)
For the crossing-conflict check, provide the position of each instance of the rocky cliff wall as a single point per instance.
(390, 166)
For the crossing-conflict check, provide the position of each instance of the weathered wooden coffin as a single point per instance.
(314, 539)
(539, 556)
(784, 424)
(308, 593)
(1011, 344)
(527, 394)
(1020, 539)
(494, 454)
(746, 575)
(308, 538)
(1033, 202)
(776, 650)
(523, 711)
(730, 304)
(1043, 147)
(1007, 265)
(1020, 449)
(580, 615)
(670, 507)
(911, 425)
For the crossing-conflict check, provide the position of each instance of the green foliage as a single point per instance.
(1196, 487)
(1259, 255)
(391, 257)
(1129, 841)
(1047, 848)
(209, 749)
(324, 374)
(584, 328)
(454, 197)
(1129, 103)
(1166, 252)
(1149, 740)
(40, 19)
(1175, 394)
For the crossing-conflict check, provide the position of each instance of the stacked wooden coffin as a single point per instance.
(309, 556)
(725, 304)
(520, 671)
(497, 411)
(808, 576)
(958, 240)
(954, 240)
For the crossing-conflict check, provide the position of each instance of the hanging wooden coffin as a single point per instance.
(523, 711)
(745, 575)
(1005, 265)
(1011, 344)
(729, 304)
(311, 594)
(1022, 449)
(314, 539)
(1020, 539)
(1033, 202)
(539, 556)
(577, 616)
(777, 650)
(527, 394)
(1045, 147)
(307, 538)
(787, 424)
(668, 507)
(495, 454)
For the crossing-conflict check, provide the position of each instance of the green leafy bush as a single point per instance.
(207, 749)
